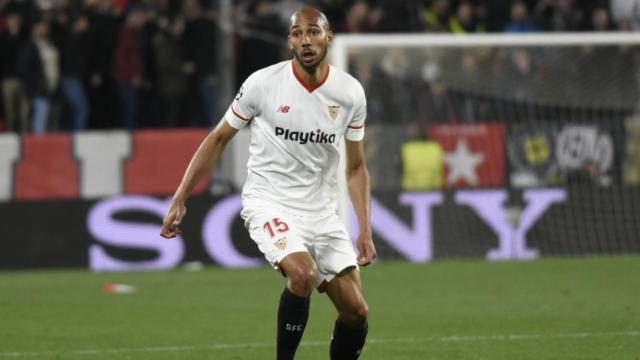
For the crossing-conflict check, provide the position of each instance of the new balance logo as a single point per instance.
(284, 109)
(303, 137)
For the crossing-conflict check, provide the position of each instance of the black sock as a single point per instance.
(347, 341)
(292, 319)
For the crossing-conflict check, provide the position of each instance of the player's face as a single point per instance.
(309, 40)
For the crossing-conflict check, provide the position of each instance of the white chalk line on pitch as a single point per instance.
(453, 338)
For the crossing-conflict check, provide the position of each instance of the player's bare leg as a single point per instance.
(300, 270)
(293, 312)
(350, 332)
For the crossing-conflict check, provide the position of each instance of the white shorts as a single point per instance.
(279, 232)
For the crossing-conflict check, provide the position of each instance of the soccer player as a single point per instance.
(297, 111)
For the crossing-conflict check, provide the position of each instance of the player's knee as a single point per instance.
(302, 280)
(356, 315)
(361, 313)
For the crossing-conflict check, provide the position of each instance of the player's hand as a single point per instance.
(367, 250)
(171, 222)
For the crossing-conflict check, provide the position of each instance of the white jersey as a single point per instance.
(295, 134)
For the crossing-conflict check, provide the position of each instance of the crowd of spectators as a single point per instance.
(95, 64)
(75, 65)
(417, 87)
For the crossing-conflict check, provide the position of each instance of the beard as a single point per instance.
(311, 67)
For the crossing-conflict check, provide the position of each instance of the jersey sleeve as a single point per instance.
(246, 103)
(355, 129)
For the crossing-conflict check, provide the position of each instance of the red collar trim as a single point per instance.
(303, 83)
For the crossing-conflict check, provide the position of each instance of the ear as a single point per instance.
(289, 42)
(329, 38)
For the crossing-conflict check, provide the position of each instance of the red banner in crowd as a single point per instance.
(96, 164)
(474, 153)
(160, 159)
(46, 169)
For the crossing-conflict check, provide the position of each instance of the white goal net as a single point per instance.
(507, 120)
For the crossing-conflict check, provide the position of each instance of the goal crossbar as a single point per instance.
(342, 42)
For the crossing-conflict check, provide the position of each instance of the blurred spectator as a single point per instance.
(543, 14)
(106, 20)
(519, 76)
(257, 49)
(149, 103)
(566, 17)
(520, 21)
(437, 16)
(200, 42)
(465, 20)
(170, 72)
(75, 56)
(601, 66)
(624, 25)
(435, 104)
(336, 11)
(496, 14)
(392, 88)
(627, 12)
(59, 15)
(358, 19)
(600, 20)
(398, 16)
(15, 100)
(38, 68)
(362, 68)
(129, 67)
(558, 15)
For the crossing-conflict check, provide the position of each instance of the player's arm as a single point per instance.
(204, 159)
(359, 191)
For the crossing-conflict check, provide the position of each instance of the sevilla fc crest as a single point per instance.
(333, 111)
(281, 243)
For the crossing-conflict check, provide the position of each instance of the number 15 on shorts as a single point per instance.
(275, 226)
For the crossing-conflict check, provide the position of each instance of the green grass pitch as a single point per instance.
(572, 308)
